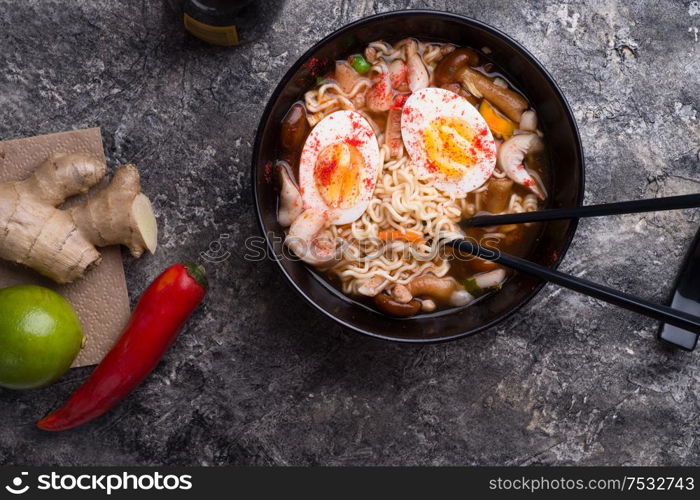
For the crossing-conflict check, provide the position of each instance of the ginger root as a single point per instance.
(60, 244)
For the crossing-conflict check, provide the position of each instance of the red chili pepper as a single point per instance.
(157, 319)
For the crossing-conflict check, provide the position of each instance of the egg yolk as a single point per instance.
(448, 146)
(337, 174)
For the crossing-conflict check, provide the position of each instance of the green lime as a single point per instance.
(40, 336)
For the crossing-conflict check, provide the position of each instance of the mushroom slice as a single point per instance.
(401, 294)
(498, 193)
(378, 96)
(372, 286)
(346, 76)
(393, 133)
(528, 121)
(418, 77)
(291, 205)
(398, 72)
(508, 101)
(393, 308)
(432, 286)
(428, 305)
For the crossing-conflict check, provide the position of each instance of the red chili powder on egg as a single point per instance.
(313, 143)
(408, 113)
(481, 146)
(479, 139)
(324, 171)
(356, 124)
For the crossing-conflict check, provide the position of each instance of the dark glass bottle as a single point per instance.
(214, 21)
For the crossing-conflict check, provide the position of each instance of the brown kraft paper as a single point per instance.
(100, 299)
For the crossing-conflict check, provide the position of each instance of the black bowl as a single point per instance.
(555, 119)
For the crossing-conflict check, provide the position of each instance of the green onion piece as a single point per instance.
(471, 287)
(360, 64)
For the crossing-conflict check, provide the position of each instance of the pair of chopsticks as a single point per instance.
(659, 312)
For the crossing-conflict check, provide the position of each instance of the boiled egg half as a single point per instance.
(448, 140)
(338, 167)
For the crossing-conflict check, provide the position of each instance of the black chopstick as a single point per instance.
(657, 311)
(620, 207)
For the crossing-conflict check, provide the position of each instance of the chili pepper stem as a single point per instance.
(198, 273)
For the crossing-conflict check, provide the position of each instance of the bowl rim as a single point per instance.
(301, 60)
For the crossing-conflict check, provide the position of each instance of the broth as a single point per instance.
(370, 208)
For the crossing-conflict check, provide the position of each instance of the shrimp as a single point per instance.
(418, 77)
(307, 240)
(511, 156)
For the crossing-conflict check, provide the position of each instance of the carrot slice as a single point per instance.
(410, 236)
(499, 124)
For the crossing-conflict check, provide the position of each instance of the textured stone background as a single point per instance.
(260, 378)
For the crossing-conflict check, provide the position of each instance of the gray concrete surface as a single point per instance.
(258, 377)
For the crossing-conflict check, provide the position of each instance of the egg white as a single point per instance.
(338, 127)
(428, 104)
